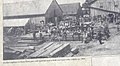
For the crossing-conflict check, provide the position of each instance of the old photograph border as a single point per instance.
(58, 61)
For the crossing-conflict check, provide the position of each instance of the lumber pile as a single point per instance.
(52, 49)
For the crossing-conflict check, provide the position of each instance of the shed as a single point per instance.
(17, 25)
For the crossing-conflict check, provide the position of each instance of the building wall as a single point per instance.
(94, 12)
(111, 5)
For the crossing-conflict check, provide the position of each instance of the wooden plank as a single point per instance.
(59, 49)
(50, 49)
(41, 45)
(40, 51)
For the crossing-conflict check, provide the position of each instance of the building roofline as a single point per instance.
(57, 4)
(22, 16)
(104, 10)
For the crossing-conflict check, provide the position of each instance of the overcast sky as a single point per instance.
(59, 1)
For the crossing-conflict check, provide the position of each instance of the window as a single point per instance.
(101, 6)
(116, 5)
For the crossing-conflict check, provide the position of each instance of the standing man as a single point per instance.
(65, 35)
(34, 35)
(100, 37)
(107, 32)
(82, 31)
(118, 22)
(40, 35)
(92, 31)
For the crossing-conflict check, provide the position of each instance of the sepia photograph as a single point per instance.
(37, 29)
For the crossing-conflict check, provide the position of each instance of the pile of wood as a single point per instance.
(53, 49)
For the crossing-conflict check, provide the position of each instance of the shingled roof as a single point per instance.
(71, 8)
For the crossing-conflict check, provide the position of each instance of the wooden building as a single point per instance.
(103, 7)
(41, 12)
(37, 10)
(71, 9)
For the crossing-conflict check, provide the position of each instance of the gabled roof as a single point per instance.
(26, 8)
(71, 8)
(54, 10)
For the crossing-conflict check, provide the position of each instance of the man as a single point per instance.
(49, 32)
(82, 32)
(40, 35)
(82, 27)
(65, 34)
(79, 33)
(34, 35)
(107, 32)
(100, 37)
(118, 22)
(92, 32)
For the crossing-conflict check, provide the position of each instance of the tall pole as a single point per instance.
(114, 10)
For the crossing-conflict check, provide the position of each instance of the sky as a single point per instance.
(59, 1)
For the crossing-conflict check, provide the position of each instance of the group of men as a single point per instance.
(84, 32)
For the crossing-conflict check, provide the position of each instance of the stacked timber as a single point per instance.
(28, 36)
(53, 49)
(29, 40)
